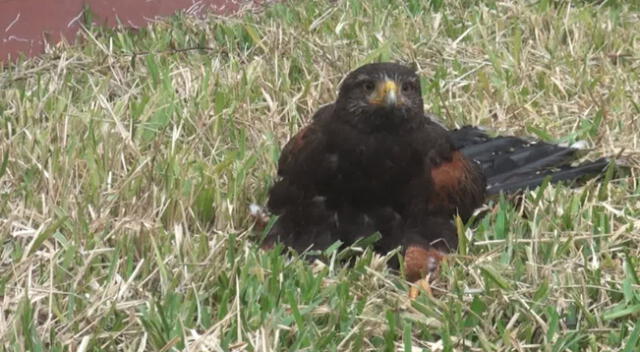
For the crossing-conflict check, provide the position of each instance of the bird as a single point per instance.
(375, 161)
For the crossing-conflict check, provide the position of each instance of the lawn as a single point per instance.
(128, 163)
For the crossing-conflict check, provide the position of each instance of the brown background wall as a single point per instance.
(25, 25)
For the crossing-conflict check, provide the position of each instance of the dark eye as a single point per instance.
(369, 86)
(408, 87)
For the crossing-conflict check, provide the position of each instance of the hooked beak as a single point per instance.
(386, 94)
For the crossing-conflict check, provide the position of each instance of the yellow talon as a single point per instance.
(423, 284)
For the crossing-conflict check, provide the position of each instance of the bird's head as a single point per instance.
(380, 95)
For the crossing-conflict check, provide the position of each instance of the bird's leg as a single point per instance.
(427, 241)
(421, 267)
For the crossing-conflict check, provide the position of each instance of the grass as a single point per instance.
(127, 165)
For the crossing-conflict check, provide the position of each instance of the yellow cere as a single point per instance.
(386, 93)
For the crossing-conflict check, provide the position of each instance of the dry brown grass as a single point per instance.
(123, 204)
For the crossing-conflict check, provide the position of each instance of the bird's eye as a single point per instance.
(369, 86)
(408, 87)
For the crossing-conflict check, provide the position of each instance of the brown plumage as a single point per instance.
(372, 161)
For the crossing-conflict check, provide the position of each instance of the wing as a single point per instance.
(303, 163)
(456, 184)
(306, 147)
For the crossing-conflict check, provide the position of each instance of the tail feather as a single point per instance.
(567, 173)
(491, 147)
(533, 164)
(530, 158)
(511, 164)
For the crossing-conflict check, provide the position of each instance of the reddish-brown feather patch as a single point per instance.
(293, 146)
(419, 261)
(450, 180)
(298, 139)
(452, 174)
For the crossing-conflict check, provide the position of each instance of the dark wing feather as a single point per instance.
(303, 161)
(304, 220)
(513, 164)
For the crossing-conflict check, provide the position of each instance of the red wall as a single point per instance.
(25, 25)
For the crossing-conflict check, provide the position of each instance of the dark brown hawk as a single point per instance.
(373, 161)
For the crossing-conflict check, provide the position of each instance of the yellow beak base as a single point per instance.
(386, 94)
